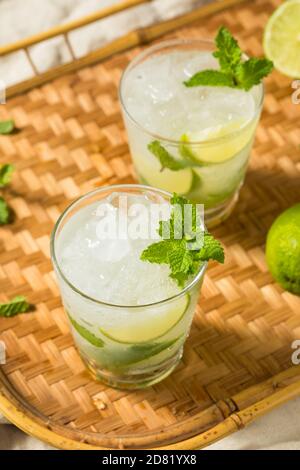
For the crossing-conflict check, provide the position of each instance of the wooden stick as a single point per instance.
(126, 42)
(241, 419)
(65, 28)
(32, 64)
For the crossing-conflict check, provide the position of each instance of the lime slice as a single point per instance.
(195, 191)
(149, 170)
(121, 359)
(172, 181)
(149, 329)
(136, 353)
(225, 149)
(282, 38)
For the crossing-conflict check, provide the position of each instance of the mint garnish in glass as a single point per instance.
(184, 255)
(235, 72)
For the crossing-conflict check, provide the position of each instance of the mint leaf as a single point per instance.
(252, 71)
(228, 51)
(4, 212)
(210, 78)
(6, 172)
(179, 200)
(158, 253)
(212, 249)
(165, 158)
(17, 305)
(6, 127)
(184, 254)
(234, 72)
(168, 161)
(180, 259)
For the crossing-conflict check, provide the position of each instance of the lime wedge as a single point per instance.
(121, 359)
(225, 149)
(282, 38)
(195, 191)
(137, 353)
(178, 181)
(148, 329)
(149, 170)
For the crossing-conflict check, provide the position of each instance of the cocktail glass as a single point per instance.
(126, 345)
(210, 129)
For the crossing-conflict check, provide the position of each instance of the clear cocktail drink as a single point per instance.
(208, 130)
(129, 318)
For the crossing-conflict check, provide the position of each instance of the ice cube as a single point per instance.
(112, 250)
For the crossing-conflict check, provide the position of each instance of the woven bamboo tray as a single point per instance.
(237, 361)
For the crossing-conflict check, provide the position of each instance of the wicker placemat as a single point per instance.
(71, 140)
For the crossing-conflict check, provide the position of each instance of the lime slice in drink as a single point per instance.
(282, 38)
(149, 329)
(124, 357)
(225, 148)
(150, 171)
(178, 181)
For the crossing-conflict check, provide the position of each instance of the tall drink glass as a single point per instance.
(208, 130)
(128, 318)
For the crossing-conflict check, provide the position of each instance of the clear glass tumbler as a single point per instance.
(125, 346)
(216, 152)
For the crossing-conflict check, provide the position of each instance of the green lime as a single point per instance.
(283, 249)
(282, 38)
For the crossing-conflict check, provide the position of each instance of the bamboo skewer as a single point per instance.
(126, 42)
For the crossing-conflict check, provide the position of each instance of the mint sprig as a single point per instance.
(17, 305)
(184, 254)
(228, 53)
(6, 172)
(167, 160)
(252, 72)
(4, 212)
(6, 127)
(210, 78)
(234, 71)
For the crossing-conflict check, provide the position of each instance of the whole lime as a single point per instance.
(283, 249)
